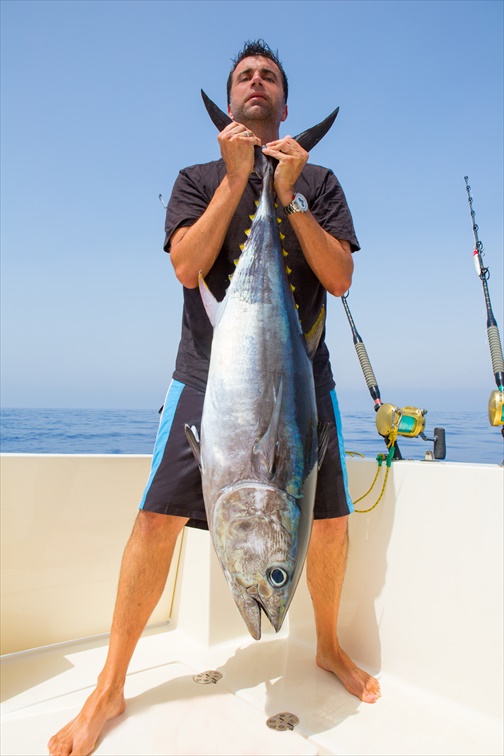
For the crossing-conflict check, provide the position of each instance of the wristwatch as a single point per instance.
(298, 205)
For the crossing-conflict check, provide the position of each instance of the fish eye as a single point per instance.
(278, 577)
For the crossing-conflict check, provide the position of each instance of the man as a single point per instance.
(205, 225)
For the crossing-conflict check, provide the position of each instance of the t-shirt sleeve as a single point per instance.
(187, 204)
(331, 210)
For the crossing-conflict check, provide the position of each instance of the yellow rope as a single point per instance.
(380, 459)
(380, 497)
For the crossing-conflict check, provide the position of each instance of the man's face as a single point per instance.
(257, 91)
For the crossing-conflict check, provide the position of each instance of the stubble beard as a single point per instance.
(253, 112)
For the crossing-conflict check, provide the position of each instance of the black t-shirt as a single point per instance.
(192, 192)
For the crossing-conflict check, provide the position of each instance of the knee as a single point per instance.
(158, 526)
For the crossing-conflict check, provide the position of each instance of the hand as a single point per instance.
(291, 161)
(237, 149)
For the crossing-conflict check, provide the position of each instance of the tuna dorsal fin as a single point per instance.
(309, 138)
(219, 118)
(315, 334)
(265, 450)
(211, 304)
(194, 442)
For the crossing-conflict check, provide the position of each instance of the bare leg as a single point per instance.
(325, 569)
(144, 570)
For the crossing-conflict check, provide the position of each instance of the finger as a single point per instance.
(276, 152)
(233, 128)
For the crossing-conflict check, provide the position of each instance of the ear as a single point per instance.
(285, 113)
(229, 112)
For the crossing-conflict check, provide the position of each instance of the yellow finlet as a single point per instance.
(284, 253)
(293, 288)
(242, 247)
(279, 220)
(251, 217)
(247, 231)
(236, 261)
(256, 203)
(282, 236)
(289, 271)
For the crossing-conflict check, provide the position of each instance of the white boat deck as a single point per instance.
(168, 713)
(422, 609)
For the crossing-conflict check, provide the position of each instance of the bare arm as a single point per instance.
(195, 248)
(329, 258)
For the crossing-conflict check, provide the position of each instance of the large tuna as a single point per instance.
(259, 445)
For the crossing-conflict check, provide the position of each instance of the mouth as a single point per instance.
(257, 96)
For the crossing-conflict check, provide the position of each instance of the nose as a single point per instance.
(256, 79)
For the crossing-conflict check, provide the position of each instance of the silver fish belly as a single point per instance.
(258, 451)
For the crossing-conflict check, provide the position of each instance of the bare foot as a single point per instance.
(78, 737)
(355, 680)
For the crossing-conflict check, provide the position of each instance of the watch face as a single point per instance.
(301, 202)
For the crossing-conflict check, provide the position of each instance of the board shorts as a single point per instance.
(174, 485)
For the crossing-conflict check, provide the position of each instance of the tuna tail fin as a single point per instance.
(218, 117)
(315, 334)
(309, 138)
(220, 120)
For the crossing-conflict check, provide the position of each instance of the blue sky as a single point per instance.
(100, 108)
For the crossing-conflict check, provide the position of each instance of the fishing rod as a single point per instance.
(496, 401)
(392, 421)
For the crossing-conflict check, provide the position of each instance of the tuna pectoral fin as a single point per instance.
(265, 450)
(211, 304)
(194, 443)
(315, 334)
(323, 441)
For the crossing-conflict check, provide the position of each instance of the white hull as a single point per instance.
(421, 608)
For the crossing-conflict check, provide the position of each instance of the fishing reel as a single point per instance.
(392, 421)
(496, 408)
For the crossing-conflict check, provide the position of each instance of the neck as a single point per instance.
(267, 132)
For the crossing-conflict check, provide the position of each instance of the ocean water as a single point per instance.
(469, 436)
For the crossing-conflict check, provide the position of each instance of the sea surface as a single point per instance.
(469, 436)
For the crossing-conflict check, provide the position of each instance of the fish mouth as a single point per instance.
(250, 610)
(276, 622)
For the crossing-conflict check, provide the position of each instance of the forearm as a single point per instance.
(195, 248)
(329, 258)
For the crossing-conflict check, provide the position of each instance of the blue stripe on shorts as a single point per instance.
(341, 445)
(172, 399)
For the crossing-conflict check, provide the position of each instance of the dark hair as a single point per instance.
(252, 48)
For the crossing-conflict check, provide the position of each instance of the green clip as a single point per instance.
(390, 455)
